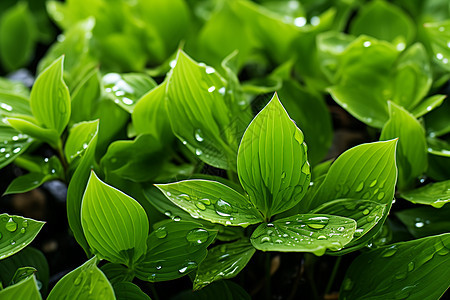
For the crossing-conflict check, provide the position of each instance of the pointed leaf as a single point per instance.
(129, 291)
(438, 147)
(115, 225)
(434, 194)
(85, 282)
(85, 97)
(223, 262)
(427, 105)
(117, 273)
(28, 182)
(50, 98)
(16, 233)
(439, 35)
(212, 201)
(14, 105)
(49, 136)
(173, 250)
(12, 144)
(22, 273)
(26, 289)
(304, 233)
(418, 269)
(79, 137)
(272, 161)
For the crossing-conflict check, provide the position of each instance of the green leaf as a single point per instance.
(385, 21)
(22, 273)
(16, 233)
(425, 220)
(12, 105)
(304, 233)
(173, 250)
(412, 147)
(438, 147)
(50, 98)
(85, 282)
(114, 224)
(272, 161)
(49, 136)
(13, 144)
(85, 97)
(223, 262)
(28, 182)
(212, 201)
(366, 172)
(434, 194)
(28, 257)
(129, 291)
(17, 36)
(78, 183)
(79, 137)
(418, 269)
(117, 273)
(14, 87)
(437, 121)
(221, 290)
(427, 105)
(126, 89)
(198, 112)
(26, 289)
(439, 35)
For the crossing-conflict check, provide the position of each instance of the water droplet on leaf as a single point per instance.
(197, 236)
(11, 226)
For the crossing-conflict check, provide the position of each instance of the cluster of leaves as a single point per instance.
(135, 124)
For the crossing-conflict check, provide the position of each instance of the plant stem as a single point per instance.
(153, 290)
(333, 275)
(61, 156)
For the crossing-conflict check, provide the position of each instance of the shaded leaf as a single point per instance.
(12, 144)
(129, 291)
(26, 289)
(434, 194)
(425, 220)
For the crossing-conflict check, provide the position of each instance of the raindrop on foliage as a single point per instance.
(197, 236)
(11, 226)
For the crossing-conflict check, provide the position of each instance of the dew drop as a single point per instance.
(11, 226)
(265, 239)
(360, 187)
(23, 230)
(158, 267)
(367, 44)
(198, 135)
(211, 89)
(373, 183)
(419, 224)
(359, 231)
(176, 218)
(366, 212)
(298, 136)
(12, 242)
(380, 196)
(340, 228)
(205, 201)
(161, 232)
(6, 106)
(188, 266)
(168, 213)
(223, 208)
(389, 252)
(410, 266)
(209, 70)
(321, 237)
(300, 21)
(78, 279)
(198, 152)
(283, 175)
(197, 236)
(222, 91)
(366, 195)
(200, 205)
(305, 168)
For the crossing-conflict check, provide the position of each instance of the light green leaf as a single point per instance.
(173, 250)
(427, 105)
(272, 161)
(26, 289)
(16, 233)
(117, 273)
(49, 136)
(223, 262)
(50, 98)
(28, 182)
(434, 194)
(418, 269)
(438, 147)
(385, 21)
(439, 35)
(14, 87)
(85, 97)
(412, 147)
(126, 89)
(129, 291)
(198, 112)
(12, 105)
(114, 224)
(212, 201)
(27, 257)
(425, 220)
(304, 233)
(366, 172)
(79, 137)
(17, 36)
(22, 273)
(85, 282)
(78, 183)
(13, 144)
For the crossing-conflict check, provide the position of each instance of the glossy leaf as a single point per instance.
(114, 224)
(272, 161)
(117, 273)
(419, 269)
(79, 137)
(366, 172)
(198, 113)
(50, 98)
(85, 97)
(25, 289)
(16, 233)
(212, 201)
(438, 33)
(28, 182)
(412, 147)
(173, 250)
(436, 121)
(12, 105)
(434, 194)
(438, 147)
(304, 233)
(78, 184)
(428, 105)
(28, 128)
(12, 144)
(85, 282)
(425, 220)
(223, 262)
(129, 291)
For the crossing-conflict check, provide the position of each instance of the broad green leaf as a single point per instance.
(85, 282)
(425, 220)
(366, 213)
(384, 21)
(412, 147)
(437, 121)
(150, 116)
(313, 233)
(16, 233)
(434, 194)
(117, 273)
(78, 183)
(17, 36)
(438, 147)
(439, 35)
(158, 199)
(14, 87)
(114, 224)
(272, 161)
(12, 144)
(49, 136)
(28, 257)
(12, 105)
(360, 88)
(223, 262)
(129, 291)
(366, 172)
(418, 269)
(28, 182)
(173, 250)
(212, 201)
(79, 137)
(221, 290)
(138, 160)
(25, 289)
(427, 105)
(438, 167)
(126, 89)
(85, 97)
(198, 112)
(22, 273)
(50, 98)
